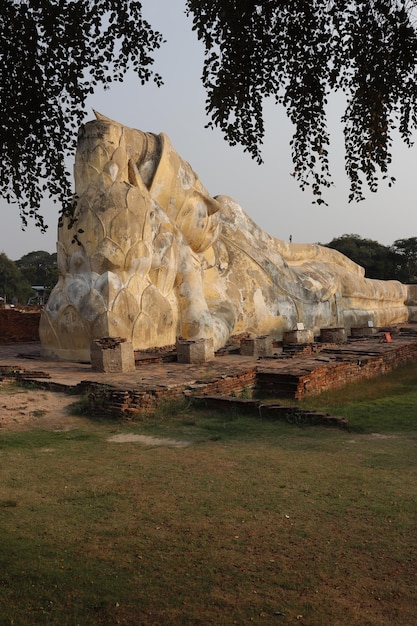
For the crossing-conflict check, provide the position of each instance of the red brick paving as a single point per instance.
(26, 357)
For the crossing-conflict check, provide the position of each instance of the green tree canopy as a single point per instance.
(13, 286)
(377, 259)
(405, 254)
(53, 54)
(398, 261)
(39, 268)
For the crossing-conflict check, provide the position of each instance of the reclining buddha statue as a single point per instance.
(151, 257)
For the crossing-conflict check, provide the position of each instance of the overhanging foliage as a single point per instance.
(297, 51)
(53, 54)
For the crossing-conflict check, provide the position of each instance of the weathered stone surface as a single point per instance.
(152, 256)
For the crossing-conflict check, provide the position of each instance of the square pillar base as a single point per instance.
(297, 337)
(195, 350)
(333, 335)
(363, 331)
(259, 346)
(111, 355)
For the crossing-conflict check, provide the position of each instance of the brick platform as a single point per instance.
(122, 395)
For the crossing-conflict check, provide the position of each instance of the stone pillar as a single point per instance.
(297, 337)
(258, 346)
(195, 350)
(112, 355)
(333, 335)
(411, 302)
(363, 331)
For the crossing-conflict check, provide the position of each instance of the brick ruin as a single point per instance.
(293, 371)
(311, 370)
(17, 326)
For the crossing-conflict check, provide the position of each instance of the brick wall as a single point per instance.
(336, 375)
(19, 326)
(107, 401)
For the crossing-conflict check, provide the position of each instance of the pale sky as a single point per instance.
(267, 192)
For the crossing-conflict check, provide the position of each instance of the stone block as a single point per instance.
(333, 335)
(195, 350)
(258, 346)
(297, 337)
(412, 313)
(363, 331)
(112, 355)
(411, 295)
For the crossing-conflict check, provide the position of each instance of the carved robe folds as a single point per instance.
(152, 256)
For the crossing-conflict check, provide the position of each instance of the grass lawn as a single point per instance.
(253, 522)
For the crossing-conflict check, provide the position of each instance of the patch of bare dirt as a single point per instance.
(148, 441)
(22, 409)
(35, 408)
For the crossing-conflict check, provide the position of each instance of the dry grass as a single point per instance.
(255, 522)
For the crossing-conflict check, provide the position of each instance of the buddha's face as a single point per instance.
(114, 154)
(176, 188)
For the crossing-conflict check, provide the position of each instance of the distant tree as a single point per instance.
(405, 255)
(12, 284)
(39, 268)
(377, 259)
(53, 54)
